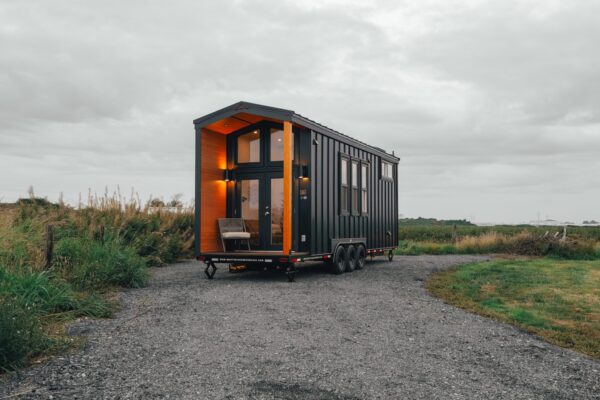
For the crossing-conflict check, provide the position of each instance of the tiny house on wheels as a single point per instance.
(274, 189)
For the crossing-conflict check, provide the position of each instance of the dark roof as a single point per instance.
(286, 115)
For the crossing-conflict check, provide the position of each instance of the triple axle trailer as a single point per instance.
(302, 191)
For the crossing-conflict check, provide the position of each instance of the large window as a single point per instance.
(386, 170)
(364, 182)
(249, 199)
(276, 146)
(248, 147)
(354, 187)
(343, 185)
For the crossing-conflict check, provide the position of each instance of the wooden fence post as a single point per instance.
(49, 245)
(102, 234)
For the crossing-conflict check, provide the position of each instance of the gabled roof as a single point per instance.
(246, 113)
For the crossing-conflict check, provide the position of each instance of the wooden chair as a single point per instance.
(233, 229)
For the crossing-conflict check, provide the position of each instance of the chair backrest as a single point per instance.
(231, 225)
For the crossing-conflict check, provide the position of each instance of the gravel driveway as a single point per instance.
(369, 334)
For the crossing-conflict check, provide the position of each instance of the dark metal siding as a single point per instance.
(326, 223)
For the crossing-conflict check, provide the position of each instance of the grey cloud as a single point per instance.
(488, 103)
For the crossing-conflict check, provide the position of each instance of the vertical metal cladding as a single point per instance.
(379, 225)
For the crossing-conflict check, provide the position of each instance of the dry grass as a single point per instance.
(480, 244)
(522, 243)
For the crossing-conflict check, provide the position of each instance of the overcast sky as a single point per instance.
(493, 106)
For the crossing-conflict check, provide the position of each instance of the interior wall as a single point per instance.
(213, 189)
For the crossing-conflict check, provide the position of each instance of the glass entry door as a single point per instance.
(259, 201)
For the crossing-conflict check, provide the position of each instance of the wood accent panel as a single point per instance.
(288, 146)
(238, 121)
(213, 189)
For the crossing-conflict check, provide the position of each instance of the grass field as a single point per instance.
(444, 232)
(579, 243)
(558, 300)
(103, 246)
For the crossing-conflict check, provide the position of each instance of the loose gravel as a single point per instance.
(369, 334)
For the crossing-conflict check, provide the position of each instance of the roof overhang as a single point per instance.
(242, 114)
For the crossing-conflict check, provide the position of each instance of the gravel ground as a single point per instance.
(369, 334)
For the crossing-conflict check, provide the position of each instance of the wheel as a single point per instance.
(361, 255)
(350, 258)
(390, 255)
(339, 261)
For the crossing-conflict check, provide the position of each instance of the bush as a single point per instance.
(21, 335)
(37, 292)
(90, 264)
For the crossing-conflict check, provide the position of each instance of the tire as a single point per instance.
(361, 255)
(350, 258)
(338, 264)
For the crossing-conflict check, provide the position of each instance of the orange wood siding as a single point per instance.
(287, 186)
(213, 189)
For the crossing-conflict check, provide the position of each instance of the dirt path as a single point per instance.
(369, 334)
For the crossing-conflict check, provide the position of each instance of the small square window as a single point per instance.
(248, 147)
(386, 170)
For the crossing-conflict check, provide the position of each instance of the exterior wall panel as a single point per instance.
(326, 219)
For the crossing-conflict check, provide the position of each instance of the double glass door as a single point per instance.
(259, 201)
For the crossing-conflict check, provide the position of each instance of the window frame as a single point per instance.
(264, 129)
(364, 178)
(391, 169)
(354, 205)
(260, 147)
(267, 126)
(344, 210)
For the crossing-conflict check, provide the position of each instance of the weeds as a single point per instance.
(108, 243)
(524, 243)
(21, 334)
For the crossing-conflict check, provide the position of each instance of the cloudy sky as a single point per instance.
(494, 106)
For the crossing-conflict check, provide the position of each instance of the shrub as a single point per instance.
(528, 244)
(37, 292)
(89, 264)
(21, 335)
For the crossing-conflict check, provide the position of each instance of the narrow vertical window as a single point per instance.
(343, 185)
(364, 183)
(354, 187)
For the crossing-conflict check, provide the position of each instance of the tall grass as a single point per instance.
(107, 242)
(447, 233)
(523, 243)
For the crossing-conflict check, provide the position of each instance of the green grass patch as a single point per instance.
(558, 300)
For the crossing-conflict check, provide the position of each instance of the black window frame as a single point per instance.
(344, 209)
(264, 129)
(364, 178)
(391, 168)
(354, 205)
(235, 137)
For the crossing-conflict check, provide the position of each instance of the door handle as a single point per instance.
(267, 213)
